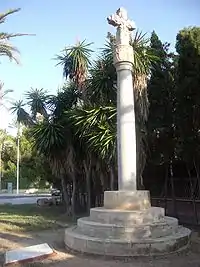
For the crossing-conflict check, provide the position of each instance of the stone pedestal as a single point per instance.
(127, 226)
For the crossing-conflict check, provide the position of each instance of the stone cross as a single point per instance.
(124, 26)
(126, 136)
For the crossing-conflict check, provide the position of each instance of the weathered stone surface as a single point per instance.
(127, 217)
(124, 247)
(127, 200)
(142, 231)
(115, 231)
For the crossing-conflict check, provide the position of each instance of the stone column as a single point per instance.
(126, 137)
(126, 134)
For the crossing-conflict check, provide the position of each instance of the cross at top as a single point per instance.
(120, 19)
(123, 24)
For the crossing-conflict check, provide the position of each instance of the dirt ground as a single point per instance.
(63, 258)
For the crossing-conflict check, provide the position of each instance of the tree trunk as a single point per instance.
(65, 195)
(102, 181)
(94, 191)
(1, 148)
(173, 190)
(192, 196)
(73, 195)
(166, 185)
(198, 176)
(112, 178)
(88, 182)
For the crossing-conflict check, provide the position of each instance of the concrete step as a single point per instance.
(126, 248)
(103, 230)
(127, 217)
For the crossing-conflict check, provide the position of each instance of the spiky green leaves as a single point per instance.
(97, 127)
(76, 61)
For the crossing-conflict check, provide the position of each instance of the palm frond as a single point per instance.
(22, 116)
(97, 126)
(4, 95)
(67, 97)
(7, 49)
(49, 138)
(37, 99)
(76, 61)
(143, 55)
(102, 82)
(4, 15)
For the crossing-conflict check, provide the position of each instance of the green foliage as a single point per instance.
(102, 82)
(97, 127)
(34, 170)
(4, 96)
(22, 116)
(161, 96)
(50, 138)
(6, 48)
(77, 137)
(143, 56)
(76, 61)
(36, 99)
(188, 94)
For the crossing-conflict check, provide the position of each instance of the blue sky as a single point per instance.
(60, 23)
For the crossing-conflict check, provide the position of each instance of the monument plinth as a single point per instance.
(127, 225)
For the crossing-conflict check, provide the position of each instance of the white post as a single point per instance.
(18, 155)
(126, 134)
(126, 137)
(1, 148)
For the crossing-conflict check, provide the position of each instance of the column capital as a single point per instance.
(123, 53)
(123, 65)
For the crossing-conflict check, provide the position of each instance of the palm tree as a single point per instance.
(37, 99)
(4, 96)
(2, 142)
(6, 48)
(53, 139)
(76, 62)
(67, 97)
(22, 116)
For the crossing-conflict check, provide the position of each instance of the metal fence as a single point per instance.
(180, 196)
(187, 211)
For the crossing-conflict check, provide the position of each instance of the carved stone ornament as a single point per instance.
(123, 24)
(123, 52)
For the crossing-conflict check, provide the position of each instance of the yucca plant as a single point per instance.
(37, 99)
(18, 108)
(76, 61)
(97, 127)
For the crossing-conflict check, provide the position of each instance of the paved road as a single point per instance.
(21, 199)
(23, 196)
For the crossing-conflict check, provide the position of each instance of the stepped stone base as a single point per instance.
(127, 226)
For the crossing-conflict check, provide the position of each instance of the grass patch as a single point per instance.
(25, 218)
